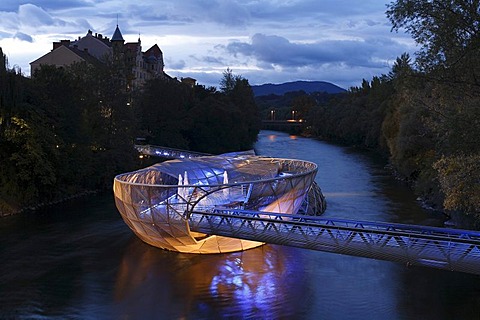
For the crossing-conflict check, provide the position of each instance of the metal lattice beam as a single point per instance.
(450, 249)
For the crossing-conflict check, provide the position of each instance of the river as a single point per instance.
(79, 260)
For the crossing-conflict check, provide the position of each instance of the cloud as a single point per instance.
(12, 5)
(176, 65)
(34, 16)
(4, 35)
(279, 51)
(208, 59)
(23, 37)
(9, 21)
(29, 17)
(213, 60)
(229, 13)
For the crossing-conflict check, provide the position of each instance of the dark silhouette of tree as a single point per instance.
(444, 29)
(162, 111)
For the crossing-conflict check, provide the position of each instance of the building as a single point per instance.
(95, 48)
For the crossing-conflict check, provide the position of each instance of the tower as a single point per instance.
(117, 42)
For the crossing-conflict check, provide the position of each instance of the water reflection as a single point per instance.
(254, 282)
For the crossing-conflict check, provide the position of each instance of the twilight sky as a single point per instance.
(265, 41)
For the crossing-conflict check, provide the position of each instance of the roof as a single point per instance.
(154, 50)
(132, 46)
(69, 54)
(97, 47)
(85, 55)
(117, 35)
(209, 170)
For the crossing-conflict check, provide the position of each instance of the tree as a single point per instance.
(227, 83)
(402, 68)
(459, 178)
(162, 113)
(302, 105)
(27, 155)
(443, 28)
(223, 121)
(242, 99)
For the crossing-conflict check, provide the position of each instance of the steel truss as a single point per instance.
(450, 249)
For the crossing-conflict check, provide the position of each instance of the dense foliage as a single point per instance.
(423, 115)
(202, 119)
(70, 130)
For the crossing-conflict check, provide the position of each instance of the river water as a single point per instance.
(80, 261)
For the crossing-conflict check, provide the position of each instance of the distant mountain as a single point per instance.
(307, 86)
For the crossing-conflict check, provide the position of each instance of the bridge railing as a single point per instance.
(450, 249)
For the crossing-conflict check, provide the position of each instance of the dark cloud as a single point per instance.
(175, 64)
(325, 11)
(208, 59)
(213, 60)
(228, 13)
(279, 51)
(23, 37)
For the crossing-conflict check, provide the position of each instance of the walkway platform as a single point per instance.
(449, 249)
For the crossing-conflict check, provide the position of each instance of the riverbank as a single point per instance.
(13, 210)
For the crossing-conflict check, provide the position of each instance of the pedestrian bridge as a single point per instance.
(413, 245)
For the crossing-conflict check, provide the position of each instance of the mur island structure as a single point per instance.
(156, 202)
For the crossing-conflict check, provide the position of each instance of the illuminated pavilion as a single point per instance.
(156, 202)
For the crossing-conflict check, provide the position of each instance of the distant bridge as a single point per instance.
(168, 153)
(290, 126)
(413, 245)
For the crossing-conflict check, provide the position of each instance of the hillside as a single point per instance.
(307, 86)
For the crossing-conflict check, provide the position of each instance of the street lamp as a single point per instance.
(293, 115)
(272, 114)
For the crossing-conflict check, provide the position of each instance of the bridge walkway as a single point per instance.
(449, 249)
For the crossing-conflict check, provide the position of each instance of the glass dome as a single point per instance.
(156, 202)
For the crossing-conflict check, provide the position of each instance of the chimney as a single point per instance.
(100, 36)
(56, 45)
